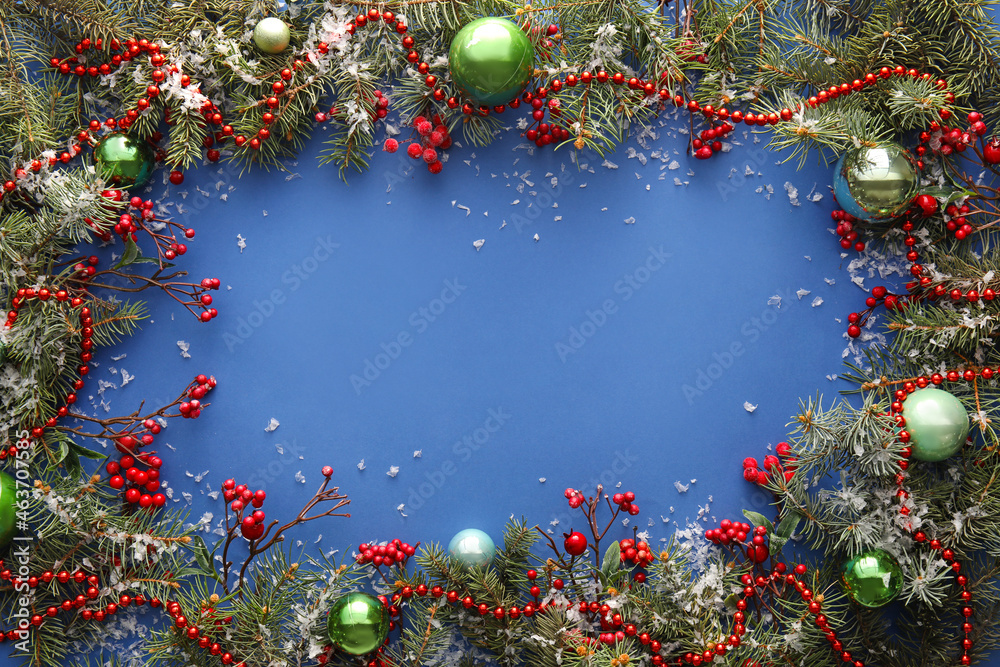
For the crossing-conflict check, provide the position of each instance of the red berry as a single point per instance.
(176, 177)
(575, 543)
(390, 146)
(435, 167)
(750, 462)
(414, 151)
(757, 553)
(327, 471)
(750, 474)
(991, 151)
(928, 205)
(430, 155)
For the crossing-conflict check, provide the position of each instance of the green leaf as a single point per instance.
(130, 254)
(202, 556)
(80, 450)
(758, 519)
(784, 531)
(612, 559)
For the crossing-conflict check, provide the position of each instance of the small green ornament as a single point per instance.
(271, 35)
(937, 423)
(875, 182)
(472, 547)
(358, 623)
(873, 578)
(491, 60)
(124, 161)
(8, 512)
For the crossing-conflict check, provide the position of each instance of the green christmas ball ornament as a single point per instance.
(875, 182)
(491, 60)
(472, 547)
(8, 510)
(271, 35)
(124, 161)
(358, 623)
(937, 423)
(873, 578)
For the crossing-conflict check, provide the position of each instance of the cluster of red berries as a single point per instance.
(433, 136)
(143, 485)
(389, 554)
(636, 552)
(626, 502)
(87, 268)
(741, 534)
(241, 499)
(191, 409)
(756, 474)
(956, 222)
(845, 230)
(574, 497)
(709, 140)
(941, 138)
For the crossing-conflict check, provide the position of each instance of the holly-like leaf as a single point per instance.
(612, 559)
(784, 531)
(130, 254)
(202, 557)
(759, 519)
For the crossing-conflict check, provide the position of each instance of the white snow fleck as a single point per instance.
(774, 301)
(184, 346)
(536, 237)
(802, 292)
(393, 471)
(818, 301)
(541, 480)
(300, 478)
(400, 507)
(272, 425)
(418, 453)
(279, 448)
(748, 406)
(681, 488)
(478, 244)
(361, 464)
(630, 220)
(241, 242)
(126, 378)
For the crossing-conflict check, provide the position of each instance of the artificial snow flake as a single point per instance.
(400, 507)
(681, 488)
(478, 244)
(272, 425)
(241, 242)
(418, 453)
(300, 478)
(361, 464)
(126, 378)
(801, 293)
(393, 471)
(184, 347)
(818, 301)
(748, 406)
(536, 238)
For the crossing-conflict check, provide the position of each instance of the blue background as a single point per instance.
(333, 273)
(650, 398)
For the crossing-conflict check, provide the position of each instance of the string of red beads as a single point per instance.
(92, 592)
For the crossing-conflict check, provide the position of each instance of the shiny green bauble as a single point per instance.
(358, 623)
(124, 161)
(873, 578)
(472, 547)
(271, 35)
(876, 182)
(8, 509)
(491, 60)
(937, 423)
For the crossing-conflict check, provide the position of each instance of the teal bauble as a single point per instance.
(271, 35)
(472, 547)
(875, 182)
(491, 60)
(8, 510)
(937, 423)
(124, 161)
(358, 623)
(873, 578)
